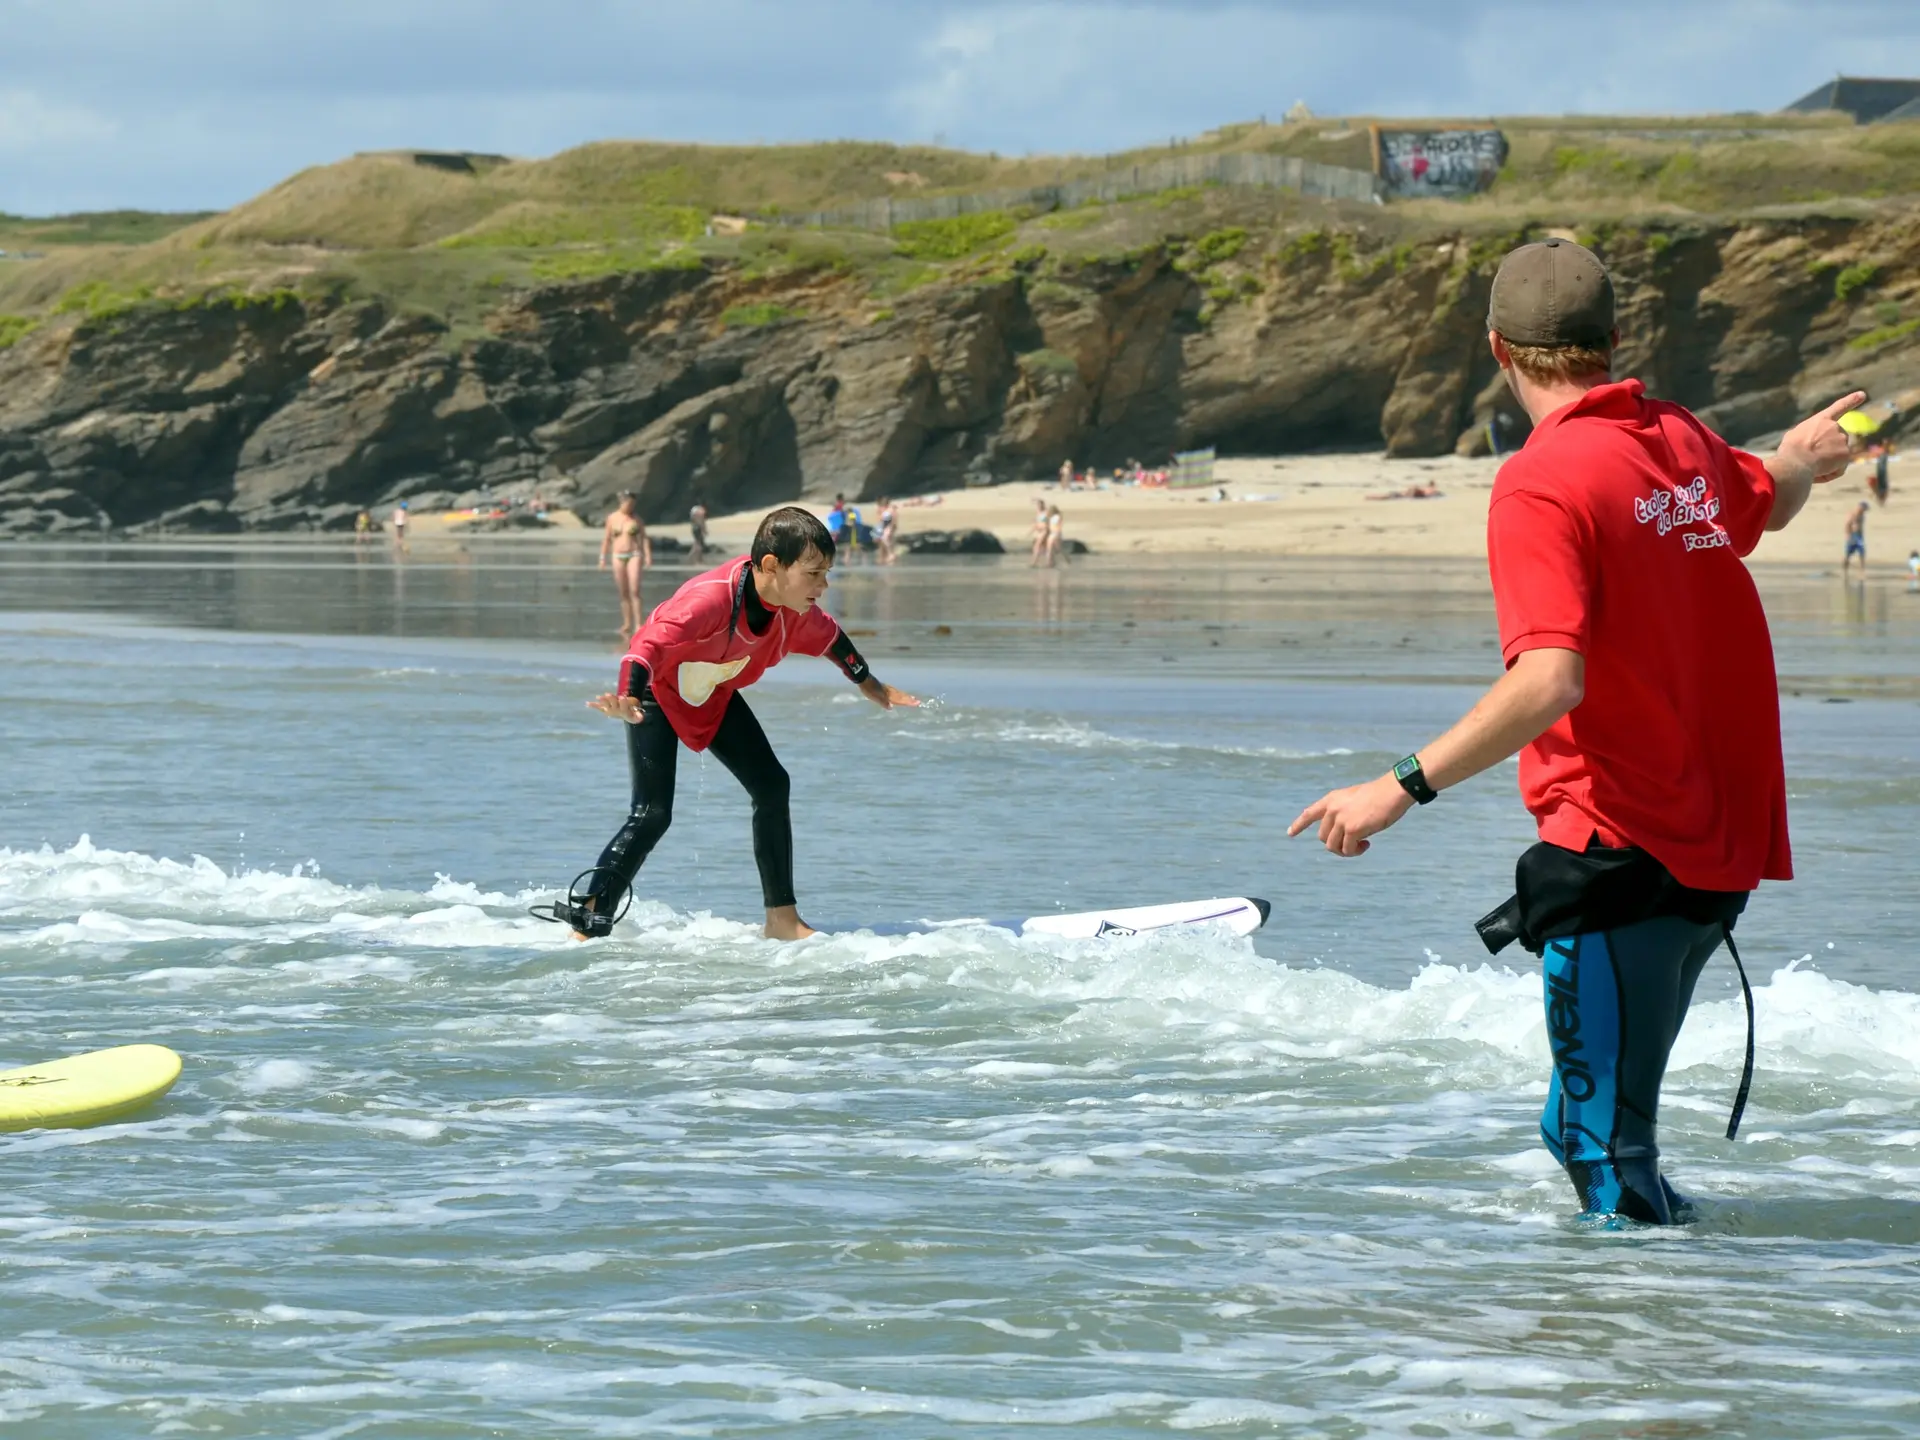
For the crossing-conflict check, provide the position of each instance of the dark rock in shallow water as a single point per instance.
(952, 542)
(53, 511)
(202, 517)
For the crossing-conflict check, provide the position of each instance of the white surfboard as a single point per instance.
(1237, 915)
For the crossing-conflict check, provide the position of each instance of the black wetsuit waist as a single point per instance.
(1560, 892)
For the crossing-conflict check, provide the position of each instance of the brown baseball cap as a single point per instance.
(1552, 292)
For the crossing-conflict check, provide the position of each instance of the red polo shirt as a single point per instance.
(1617, 531)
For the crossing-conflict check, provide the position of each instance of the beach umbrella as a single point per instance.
(1858, 422)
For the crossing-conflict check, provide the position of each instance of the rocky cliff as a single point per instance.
(708, 382)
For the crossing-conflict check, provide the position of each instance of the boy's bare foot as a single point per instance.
(785, 923)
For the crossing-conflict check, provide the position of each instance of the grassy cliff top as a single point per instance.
(450, 233)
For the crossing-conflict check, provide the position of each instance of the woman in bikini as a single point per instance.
(624, 537)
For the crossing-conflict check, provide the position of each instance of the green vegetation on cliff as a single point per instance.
(457, 236)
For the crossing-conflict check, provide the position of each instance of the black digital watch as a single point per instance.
(1413, 780)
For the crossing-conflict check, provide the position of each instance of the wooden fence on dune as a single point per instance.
(1272, 172)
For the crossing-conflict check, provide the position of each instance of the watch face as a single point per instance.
(1405, 768)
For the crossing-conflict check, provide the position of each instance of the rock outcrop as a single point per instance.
(294, 414)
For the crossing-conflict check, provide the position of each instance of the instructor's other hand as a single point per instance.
(620, 707)
(1347, 817)
(885, 696)
(1818, 444)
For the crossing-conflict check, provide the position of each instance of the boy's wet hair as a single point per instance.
(789, 533)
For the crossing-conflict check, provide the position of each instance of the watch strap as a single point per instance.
(1413, 780)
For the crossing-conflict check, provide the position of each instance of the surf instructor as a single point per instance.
(1640, 696)
(680, 684)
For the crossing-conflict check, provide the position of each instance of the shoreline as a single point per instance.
(1317, 505)
(1289, 507)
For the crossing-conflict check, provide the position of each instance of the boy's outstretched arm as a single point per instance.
(854, 666)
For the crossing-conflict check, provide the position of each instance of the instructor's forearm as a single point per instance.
(1541, 686)
(1792, 484)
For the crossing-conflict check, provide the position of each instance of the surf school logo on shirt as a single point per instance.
(1689, 504)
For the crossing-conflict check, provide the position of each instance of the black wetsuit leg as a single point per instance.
(1615, 1002)
(741, 745)
(653, 755)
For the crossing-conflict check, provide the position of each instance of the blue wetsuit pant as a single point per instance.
(1615, 1003)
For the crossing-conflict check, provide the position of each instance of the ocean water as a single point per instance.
(432, 1170)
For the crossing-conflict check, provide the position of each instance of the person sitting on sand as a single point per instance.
(1412, 492)
(680, 684)
(624, 536)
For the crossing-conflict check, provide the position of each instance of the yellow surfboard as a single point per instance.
(86, 1089)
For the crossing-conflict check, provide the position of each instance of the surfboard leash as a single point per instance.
(1746, 1071)
(575, 911)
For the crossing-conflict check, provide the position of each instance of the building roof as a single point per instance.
(1908, 111)
(1866, 100)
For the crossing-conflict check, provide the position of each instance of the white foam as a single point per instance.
(267, 1075)
(85, 876)
(1199, 993)
(964, 728)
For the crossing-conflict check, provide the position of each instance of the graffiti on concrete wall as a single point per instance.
(1438, 162)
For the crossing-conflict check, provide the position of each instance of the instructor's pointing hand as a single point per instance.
(1347, 817)
(619, 707)
(1819, 444)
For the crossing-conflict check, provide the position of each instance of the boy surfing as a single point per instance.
(680, 684)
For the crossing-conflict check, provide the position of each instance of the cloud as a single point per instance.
(29, 121)
(199, 103)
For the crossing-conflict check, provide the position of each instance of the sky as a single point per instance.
(199, 104)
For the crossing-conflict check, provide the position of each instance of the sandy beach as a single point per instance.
(1319, 505)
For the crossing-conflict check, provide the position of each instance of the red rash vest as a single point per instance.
(698, 650)
(1617, 532)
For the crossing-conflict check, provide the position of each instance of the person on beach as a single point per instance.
(363, 526)
(1056, 536)
(1913, 572)
(883, 537)
(400, 523)
(1641, 697)
(1040, 532)
(680, 684)
(624, 537)
(1856, 540)
(697, 519)
(1882, 455)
